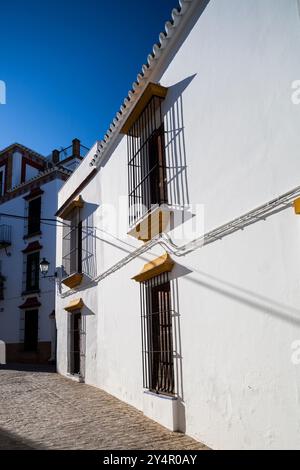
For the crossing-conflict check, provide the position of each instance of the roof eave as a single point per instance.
(148, 73)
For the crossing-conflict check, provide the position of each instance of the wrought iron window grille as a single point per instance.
(157, 335)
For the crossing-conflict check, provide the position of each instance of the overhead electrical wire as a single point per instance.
(259, 213)
(45, 221)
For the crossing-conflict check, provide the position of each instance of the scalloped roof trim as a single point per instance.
(134, 93)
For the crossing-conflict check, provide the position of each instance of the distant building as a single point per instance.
(29, 184)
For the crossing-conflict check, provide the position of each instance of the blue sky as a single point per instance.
(68, 65)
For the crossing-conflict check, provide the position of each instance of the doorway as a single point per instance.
(31, 330)
(76, 340)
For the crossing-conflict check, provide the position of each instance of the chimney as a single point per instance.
(76, 148)
(55, 157)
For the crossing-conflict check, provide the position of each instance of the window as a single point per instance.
(31, 330)
(32, 271)
(146, 161)
(72, 244)
(34, 216)
(75, 341)
(157, 338)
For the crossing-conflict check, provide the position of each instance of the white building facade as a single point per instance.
(196, 324)
(29, 184)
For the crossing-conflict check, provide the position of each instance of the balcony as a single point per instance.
(5, 236)
(76, 151)
(79, 152)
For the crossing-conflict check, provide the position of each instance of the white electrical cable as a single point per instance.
(164, 240)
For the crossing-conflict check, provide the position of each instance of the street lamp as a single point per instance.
(44, 268)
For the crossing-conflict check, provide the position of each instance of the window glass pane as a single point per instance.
(34, 216)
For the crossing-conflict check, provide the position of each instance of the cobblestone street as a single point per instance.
(42, 410)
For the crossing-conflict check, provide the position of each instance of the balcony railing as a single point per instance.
(69, 152)
(5, 236)
(76, 150)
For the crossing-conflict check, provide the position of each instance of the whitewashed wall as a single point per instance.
(238, 298)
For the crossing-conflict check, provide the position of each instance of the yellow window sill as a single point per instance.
(73, 280)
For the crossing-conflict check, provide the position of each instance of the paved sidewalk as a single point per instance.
(39, 409)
